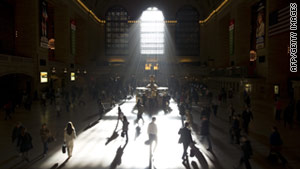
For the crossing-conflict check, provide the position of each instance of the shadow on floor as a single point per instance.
(91, 125)
(197, 153)
(118, 158)
(27, 165)
(56, 166)
(8, 160)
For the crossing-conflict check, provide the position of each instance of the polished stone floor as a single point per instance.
(90, 151)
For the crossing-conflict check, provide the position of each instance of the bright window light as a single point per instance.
(152, 32)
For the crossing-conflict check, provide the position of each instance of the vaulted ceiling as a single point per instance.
(168, 7)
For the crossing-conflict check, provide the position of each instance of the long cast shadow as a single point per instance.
(216, 161)
(137, 132)
(114, 134)
(118, 158)
(199, 156)
(63, 164)
(57, 166)
(194, 165)
(27, 165)
(91, 125)
(186, 163)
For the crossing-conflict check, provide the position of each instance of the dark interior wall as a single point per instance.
(278, 56)
(7, 28)
(26, 24)
(13, 85)
(62, 32)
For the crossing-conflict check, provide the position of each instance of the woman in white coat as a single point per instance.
(69, 136)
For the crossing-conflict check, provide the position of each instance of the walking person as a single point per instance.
(235, 130)
(140, 108)
(247, 117)
(185, 139)
(69, 136)
(25, 143)
(214, 107)
(276, 145)
(58, 106)
(45, 137)
(204, 132)
(125, 128)
(231, 112)
(152, 132)
(120, 113)
(246, 153)
(16, 133)
(8, 110)
(101, 108)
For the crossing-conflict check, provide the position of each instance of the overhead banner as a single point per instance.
(231, 37)
(258, 25)
(73, 37)
(43, 24)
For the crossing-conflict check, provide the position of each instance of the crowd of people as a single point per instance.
(238, 122)
(186, 95)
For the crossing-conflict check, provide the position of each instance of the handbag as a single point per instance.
(180, 140)
(63, 148)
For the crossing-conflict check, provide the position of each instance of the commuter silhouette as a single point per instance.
(185, 139)
(69, 136)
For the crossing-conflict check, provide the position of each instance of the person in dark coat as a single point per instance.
(231, 112)
(246, 153)
(235, 130)
(276, 144)
(204, 132)
(16, 134)
(125, 128)
(185, 139)
(101, 109)
(214, 107)
(247, 117)
(25, 143)
(182, 109)
(140, 108)
(45, 135)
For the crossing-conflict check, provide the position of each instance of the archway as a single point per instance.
(13, 86)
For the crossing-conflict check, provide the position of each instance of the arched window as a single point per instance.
(152, 32)
(187, 33)
(116, 31)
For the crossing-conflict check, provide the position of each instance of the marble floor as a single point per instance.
(91, 152)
